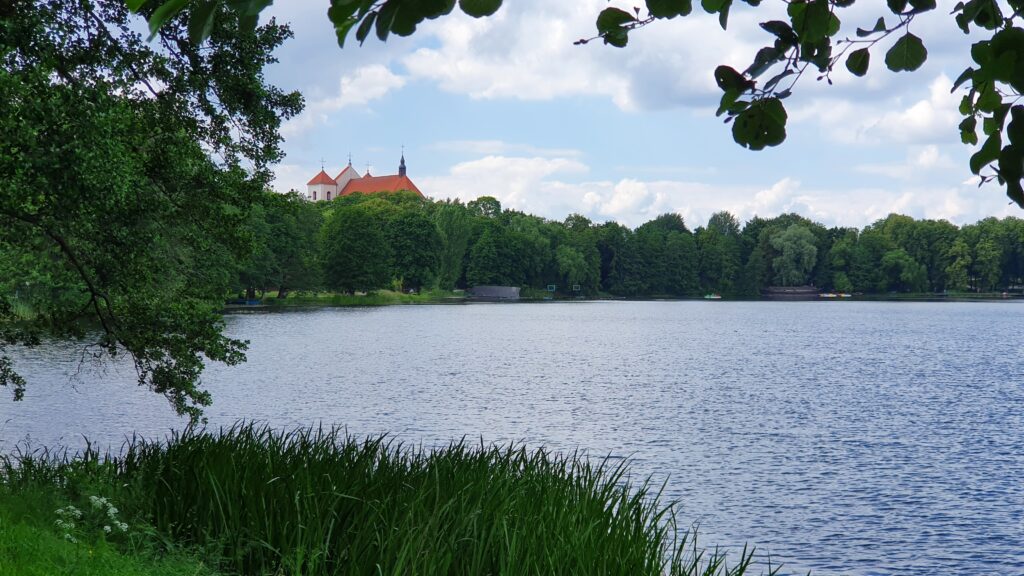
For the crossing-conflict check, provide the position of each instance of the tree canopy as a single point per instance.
(814, 38)
(403, 241)
(128, 173)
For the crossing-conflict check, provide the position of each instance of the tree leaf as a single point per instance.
(729, 79)
(963, 77)
(165, 12)
(781, 30)
(879, 27)
(611, 18)
(857, 62)
(897, 6)
(479, 8)
(364, 28)
(811, 20)
(968, 130)
(1015, 130)
(988, 153)
(669, 8)
(762, 124)
(908, 53)
(200, 21)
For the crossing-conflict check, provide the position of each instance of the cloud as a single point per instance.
(547, 187)
(928, 120)
(290, 177)
(517, 182)
(502, 148)
(526, 52)
(363, 86)
(927, 159)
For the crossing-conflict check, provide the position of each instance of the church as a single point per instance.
(348, 181)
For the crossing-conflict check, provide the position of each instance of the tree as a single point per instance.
(415, 247)
(571, 265)
(957, 272)
(484, 266)
(284, 229)
(986, 264)
(902, 272)
(123, 185)
(355, 251)
(455, 229)
(294, 227)
(798, 255)
(813, 39)
(485, 207)
(719, 253)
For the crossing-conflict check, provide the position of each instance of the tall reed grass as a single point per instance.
(318, 502)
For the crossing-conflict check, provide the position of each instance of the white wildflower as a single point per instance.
(122, 526)
(106, 529)
(71, 538)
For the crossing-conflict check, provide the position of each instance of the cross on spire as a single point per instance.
(321, 163)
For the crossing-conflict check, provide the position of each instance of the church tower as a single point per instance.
(401, 166)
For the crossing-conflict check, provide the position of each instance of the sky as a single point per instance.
(507, 106)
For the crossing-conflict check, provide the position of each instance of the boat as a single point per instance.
(712, 297)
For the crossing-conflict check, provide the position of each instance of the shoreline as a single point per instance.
(388, 298)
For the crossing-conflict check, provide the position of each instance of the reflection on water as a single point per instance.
(853, 438)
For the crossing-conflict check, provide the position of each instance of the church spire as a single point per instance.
(401, 164)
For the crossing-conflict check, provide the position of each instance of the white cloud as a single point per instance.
(363, 86)
(545, 186)
(927, 120)
(518, 182)
(920, 161)
(502, 148)
(526, 52)
(290, 177)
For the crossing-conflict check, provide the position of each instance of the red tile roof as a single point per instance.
(321, 178)
(342, 173)
(371, 184)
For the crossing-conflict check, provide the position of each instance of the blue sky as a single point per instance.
(506, 106)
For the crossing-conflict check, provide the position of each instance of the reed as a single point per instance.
(318, 502)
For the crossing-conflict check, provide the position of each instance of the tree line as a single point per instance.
(405, 242)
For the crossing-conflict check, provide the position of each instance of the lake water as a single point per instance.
(842, 437)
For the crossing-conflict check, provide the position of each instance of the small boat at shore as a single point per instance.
(712, 297)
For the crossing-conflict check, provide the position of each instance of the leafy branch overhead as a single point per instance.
(752, 99)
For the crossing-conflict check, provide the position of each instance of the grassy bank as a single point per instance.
(31, 543)
(314, 502)
(376, 298)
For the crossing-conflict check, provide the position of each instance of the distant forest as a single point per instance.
(402, 241)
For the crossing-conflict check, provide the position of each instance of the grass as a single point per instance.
(31, 546)
(316, 502)
(377, 298)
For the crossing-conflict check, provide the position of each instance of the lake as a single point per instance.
(842, 437)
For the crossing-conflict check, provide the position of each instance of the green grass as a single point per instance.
(316, 502)
(31, 546)
(377, 298)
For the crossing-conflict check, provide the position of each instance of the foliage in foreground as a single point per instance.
(127, 173)
(315, 502)
(30, 545)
